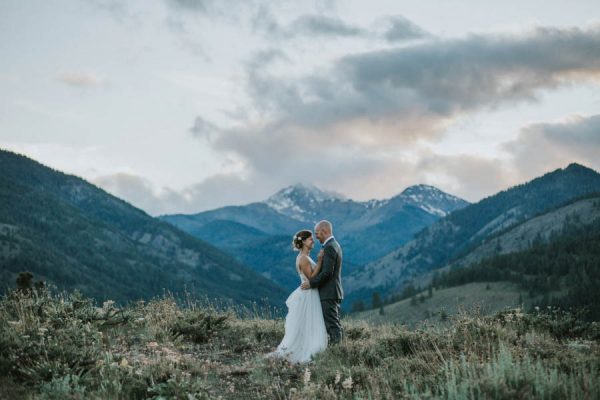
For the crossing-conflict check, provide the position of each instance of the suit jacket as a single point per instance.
(328, 280)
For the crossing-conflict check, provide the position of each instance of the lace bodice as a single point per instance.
(303, 277)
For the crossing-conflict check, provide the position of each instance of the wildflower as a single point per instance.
(152, 345)
(338, 377)
(124, 363)
(306, 376)
(347, 384)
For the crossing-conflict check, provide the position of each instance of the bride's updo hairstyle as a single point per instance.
(299, 238)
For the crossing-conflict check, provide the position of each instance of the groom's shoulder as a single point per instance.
(334, 244)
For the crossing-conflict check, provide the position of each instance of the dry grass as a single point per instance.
(63, 347)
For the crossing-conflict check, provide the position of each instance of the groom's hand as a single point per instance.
(305, 285)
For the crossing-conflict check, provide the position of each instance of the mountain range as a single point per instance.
(466, 233)
(259, 234)
(68, 232)
(71, 233)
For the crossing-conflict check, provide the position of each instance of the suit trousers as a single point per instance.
(331, 315)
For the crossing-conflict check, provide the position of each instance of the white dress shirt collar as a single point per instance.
(328, 239)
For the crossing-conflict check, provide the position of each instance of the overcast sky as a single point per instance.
(188, 105)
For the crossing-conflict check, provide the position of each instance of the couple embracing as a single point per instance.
(314, 307)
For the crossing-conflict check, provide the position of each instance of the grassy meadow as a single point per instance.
(62, 346)
(433, 307)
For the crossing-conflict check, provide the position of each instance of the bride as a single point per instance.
(305, 333)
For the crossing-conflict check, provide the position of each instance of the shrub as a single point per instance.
(198, 326)
(63, 346)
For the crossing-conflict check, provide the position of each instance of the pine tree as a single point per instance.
(376, 301)
(24, 281)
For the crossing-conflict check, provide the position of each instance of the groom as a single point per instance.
(328, 280)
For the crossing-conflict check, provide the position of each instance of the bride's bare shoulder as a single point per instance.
(304, 263)
(302, 259)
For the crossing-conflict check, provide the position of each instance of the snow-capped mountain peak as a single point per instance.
(299, 201)
(431, 199)
(307, 203)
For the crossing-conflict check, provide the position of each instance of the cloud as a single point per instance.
(307, 25)
(210, 8)
(445, 78)
(264, 20)
(326, 5)
(392, 28)
(131, 188)
(320, 25)
(80, 79)
(398, 28)
(362, 175)
(213, 192)
(543, 147)
(366, 121)
(397, 97)
(470, 176)
(192, 5)
(120, 11)
(203, 128)
(367, 176)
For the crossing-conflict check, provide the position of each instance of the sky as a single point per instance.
(180, 106)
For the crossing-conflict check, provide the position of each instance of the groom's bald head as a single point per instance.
(323, 230)
(325, 225)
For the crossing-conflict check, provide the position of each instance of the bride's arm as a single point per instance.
(318, 266)
(306, 267)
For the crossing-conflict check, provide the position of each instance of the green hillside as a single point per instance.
(459, 233)
(550, 260)
(568, 264)
(73, 234)
(444, 303)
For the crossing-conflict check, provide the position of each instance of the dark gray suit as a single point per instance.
(330, 288)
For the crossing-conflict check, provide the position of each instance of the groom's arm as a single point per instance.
(326, 268)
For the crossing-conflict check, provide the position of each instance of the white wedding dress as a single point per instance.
(305, 333)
